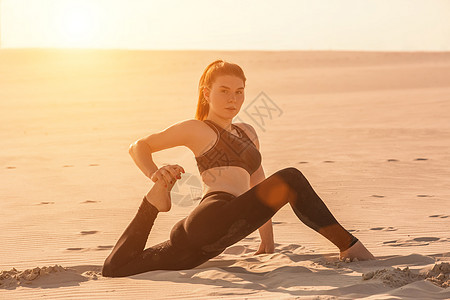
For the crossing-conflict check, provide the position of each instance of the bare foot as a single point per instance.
(357, 251)
(159, 196)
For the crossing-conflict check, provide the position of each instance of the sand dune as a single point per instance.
(370, 131)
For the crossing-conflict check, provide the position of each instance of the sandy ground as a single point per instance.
(371, 132)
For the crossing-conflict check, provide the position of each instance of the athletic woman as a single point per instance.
(238, 198)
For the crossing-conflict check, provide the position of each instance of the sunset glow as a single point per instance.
(206, 24)
(77, 23)
(75, 26)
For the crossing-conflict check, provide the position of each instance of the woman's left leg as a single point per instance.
(212, 230)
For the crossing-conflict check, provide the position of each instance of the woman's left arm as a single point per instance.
(265, 231)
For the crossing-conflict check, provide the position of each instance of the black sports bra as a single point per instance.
(230, 150)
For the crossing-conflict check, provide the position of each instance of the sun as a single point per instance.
(77, 23)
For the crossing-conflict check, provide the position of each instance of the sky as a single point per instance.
(364, 25)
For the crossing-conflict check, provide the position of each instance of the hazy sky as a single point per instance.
(390, 25)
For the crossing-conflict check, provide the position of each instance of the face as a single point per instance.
(226, 92)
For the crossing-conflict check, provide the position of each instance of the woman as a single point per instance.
(238, 197)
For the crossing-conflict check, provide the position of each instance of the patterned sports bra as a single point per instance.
(230, 150)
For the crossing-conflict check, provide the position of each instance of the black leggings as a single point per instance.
(220, 220)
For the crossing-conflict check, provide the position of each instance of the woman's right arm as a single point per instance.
(141, 154)
(179, 134)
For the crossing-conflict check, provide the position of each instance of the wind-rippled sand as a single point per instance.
(370, 131)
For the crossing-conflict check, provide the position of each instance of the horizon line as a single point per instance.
(221, 50)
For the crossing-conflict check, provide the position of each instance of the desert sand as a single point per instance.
(370, 131)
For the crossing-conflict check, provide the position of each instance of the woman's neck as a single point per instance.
(225, 124)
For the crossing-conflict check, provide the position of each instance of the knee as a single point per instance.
(294, 178)
(108, 269)
(291, 175)
(291, 171)
(111, 268)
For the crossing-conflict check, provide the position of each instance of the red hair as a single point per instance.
(212, 71)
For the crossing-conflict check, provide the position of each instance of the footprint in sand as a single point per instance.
(421, 159)
(377, 196)
(43, 203)
(278, 222)
(11, 167)
(236, 250)
(104, 247)
(75, 249)
(328, 161)
(99, 248)
(384, 228)
(302, 162)
(390, 242)
(67, 166)
(424, 196)
(353, 230)
(290, 247)
(94, 165)
(426, 239)
(438, 216)
(392, 160)
(89, 201)
(420, 241)
(88, 232)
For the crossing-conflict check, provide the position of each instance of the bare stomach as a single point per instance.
(231, 179)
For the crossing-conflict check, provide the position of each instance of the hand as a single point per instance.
(167, 174)
(265, 248)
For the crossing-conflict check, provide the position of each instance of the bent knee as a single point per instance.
(293, 176)
(291, 172)
(108, 269)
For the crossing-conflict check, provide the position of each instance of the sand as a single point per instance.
(370, 131)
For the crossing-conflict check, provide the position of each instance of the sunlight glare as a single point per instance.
(78, 24)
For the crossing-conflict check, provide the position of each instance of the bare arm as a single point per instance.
(266, 230)
(141, 151)
(141, 154)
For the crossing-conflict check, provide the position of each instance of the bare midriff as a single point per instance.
(231, 179)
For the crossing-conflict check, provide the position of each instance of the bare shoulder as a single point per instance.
(190, 124)
(183, 133)
(250, 131)
(186, 127)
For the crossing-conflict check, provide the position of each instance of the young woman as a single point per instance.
(238, 198)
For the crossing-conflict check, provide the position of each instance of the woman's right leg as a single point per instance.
(128, 256)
